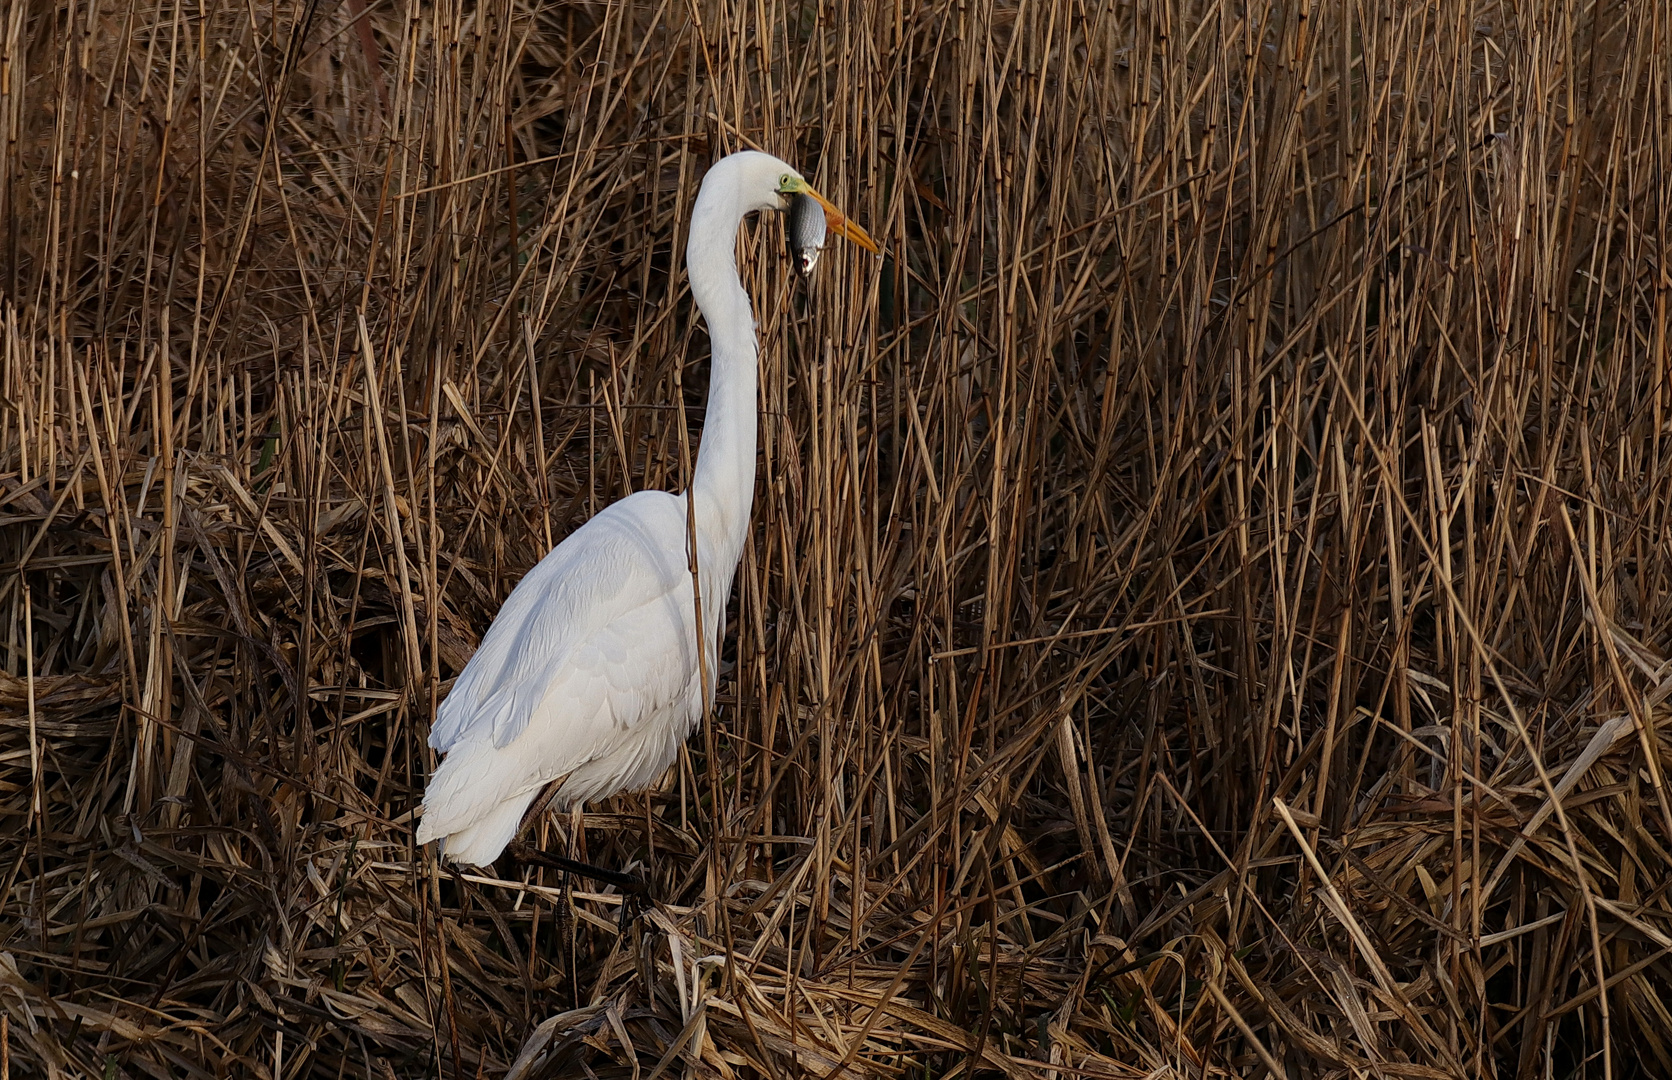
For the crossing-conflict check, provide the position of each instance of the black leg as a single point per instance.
(635, 890)
(628, 883)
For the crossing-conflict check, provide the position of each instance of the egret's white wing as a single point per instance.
(590, 668)
(603, 619)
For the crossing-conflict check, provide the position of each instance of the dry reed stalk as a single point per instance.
(1207, 607)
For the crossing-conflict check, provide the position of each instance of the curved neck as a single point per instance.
(723, 487)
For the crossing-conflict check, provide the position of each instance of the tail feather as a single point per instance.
(482, 842)
(473, 815)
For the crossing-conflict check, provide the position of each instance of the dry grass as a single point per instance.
(1209, 597)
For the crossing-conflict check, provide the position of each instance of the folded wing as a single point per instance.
(596, 641)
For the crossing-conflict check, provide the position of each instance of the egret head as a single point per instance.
(790, 184)
(768, 183)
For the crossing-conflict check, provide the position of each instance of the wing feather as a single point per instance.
(604, 621)
(589, 672)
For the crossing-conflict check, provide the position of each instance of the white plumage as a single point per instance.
(589, 674)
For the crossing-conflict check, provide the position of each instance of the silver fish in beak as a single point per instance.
(805, 231)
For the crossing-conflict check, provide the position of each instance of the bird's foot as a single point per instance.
(635, 890)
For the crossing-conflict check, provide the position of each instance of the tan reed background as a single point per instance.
(1207, 610)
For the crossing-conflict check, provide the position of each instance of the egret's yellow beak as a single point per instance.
(834, 220)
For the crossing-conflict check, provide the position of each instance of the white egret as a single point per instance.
(589, 675)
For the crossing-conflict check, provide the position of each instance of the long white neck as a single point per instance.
(723, 488)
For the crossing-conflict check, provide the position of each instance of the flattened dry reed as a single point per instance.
(1207, 608)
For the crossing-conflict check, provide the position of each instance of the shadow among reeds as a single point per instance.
(1207, 610)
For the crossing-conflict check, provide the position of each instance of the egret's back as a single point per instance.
(589, 672)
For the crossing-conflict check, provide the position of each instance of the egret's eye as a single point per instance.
(786, 182)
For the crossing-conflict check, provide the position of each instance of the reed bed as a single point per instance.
(1207, 612)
